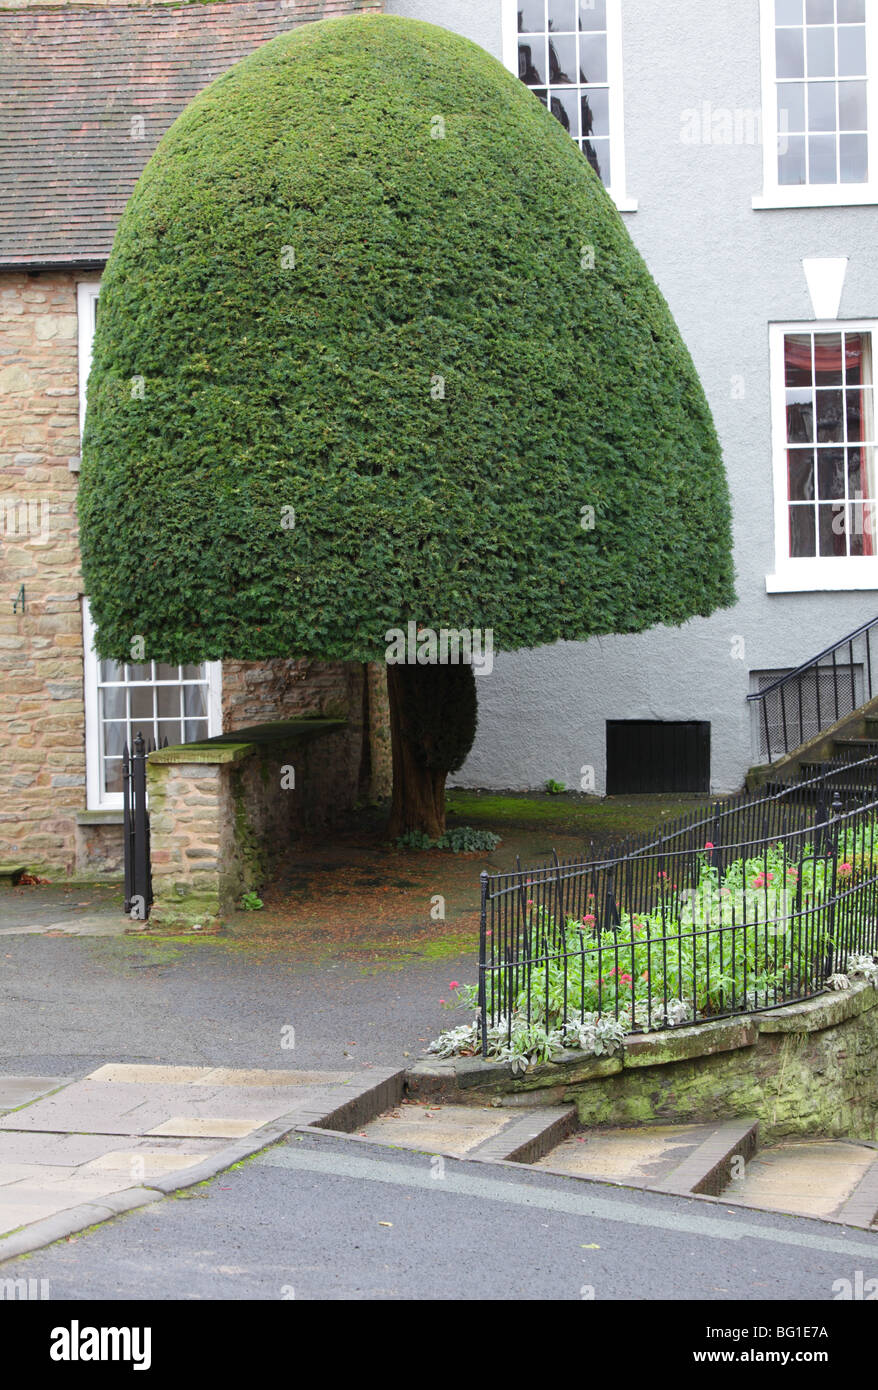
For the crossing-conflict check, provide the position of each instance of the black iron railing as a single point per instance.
(753, 907)
(138, 874)
(800, 705)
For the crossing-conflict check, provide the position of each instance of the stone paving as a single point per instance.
(66, 1143)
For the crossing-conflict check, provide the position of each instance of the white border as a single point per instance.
(775, 195)
(86, 297)
(509, 37)
(830, 572)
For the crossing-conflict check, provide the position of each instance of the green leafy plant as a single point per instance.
(463, 839)
(555, 788)
(251, 902)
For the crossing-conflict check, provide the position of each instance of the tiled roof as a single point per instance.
(87, 95)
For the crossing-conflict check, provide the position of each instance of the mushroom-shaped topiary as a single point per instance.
(375, 348)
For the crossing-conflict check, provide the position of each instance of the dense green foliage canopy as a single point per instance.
(368, 279)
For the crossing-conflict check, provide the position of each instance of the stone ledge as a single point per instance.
(681, 1044)
(243, 743)
(208, 753)
(100, 817)
(826, 1011)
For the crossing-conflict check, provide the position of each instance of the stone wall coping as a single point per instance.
(100, 817)
(243, 743)
(667, 1045)
(827, 1010)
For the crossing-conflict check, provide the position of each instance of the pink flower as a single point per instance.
(530, 902)
(588, 919)
(845, 869)
(625, 980)
(454, 985)
(441, 1001)
(613, 971)
(709, 845)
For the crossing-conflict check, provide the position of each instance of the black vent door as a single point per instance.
(657, 756)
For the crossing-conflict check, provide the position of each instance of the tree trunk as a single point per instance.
(418, 790)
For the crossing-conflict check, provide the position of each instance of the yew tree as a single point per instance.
(375, 348)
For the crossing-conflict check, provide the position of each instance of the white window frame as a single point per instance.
(777, 195)
(96, 798)
(812, 573)
(87, 292)
(618, 189)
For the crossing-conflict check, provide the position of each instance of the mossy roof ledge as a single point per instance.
(234, 747)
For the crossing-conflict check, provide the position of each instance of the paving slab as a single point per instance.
(640, 1157)
(442, 1129)
(153, 1100)
(807, 1177)
(21, 1090)
(127, 1134)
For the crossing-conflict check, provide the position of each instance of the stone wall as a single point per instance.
(225, 812)
(42, 733)
(803, 1069)
(266, 692)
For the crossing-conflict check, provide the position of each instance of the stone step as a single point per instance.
(485, 1132)
(683, 1159)
(823, 1178)
(11, 873)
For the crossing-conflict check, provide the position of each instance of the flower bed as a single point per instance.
(760, 932)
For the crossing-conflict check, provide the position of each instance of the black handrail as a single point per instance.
(792, 726)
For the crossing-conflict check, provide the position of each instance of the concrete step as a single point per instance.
(683, 1159)
(487, 1132)
(823, 1178)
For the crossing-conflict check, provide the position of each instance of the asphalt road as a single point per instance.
(318, 1218)
(68, 1005)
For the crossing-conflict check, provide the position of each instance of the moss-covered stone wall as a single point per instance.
(807, 1068)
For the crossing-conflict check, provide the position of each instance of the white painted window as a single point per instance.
(819, 100)
(569, 53)
(179, 703)
(824, 441)
(159, 701)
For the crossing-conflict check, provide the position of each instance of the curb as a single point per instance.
(61, 1225)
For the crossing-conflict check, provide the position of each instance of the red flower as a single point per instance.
(454, 985)
(709, 845)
